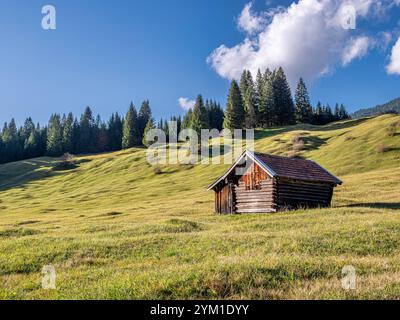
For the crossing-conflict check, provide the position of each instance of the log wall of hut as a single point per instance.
(297, 194)
(255, 192)
(224, 199)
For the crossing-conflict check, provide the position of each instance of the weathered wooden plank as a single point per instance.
(256, 211)
(255, 204)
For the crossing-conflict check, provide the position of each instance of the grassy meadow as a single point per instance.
(116, 228)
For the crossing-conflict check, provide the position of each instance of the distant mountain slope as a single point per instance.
(390, 107)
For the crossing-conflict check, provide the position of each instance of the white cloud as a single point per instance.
(250, 22)
(394, 65)
(186, 103)
(307, 39)
(356, 48)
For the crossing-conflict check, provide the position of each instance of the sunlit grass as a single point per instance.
(116, 229)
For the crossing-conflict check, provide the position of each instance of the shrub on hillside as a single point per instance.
(157, 170)
(382, 148)
(297, 144)
(66, 162)
(349, 138)
(392, 129)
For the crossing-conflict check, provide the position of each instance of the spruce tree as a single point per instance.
(258, 87)
(178, 124)
(283, 99)
(33, 147)
(337, 112)
(54, 136)
(143, 117)
(130, 129)
(244, 83)
(215, 115)
(266, 108)
(199, 118)
(187, 119)
(250, 108)
(86, 140)
(234, 114)
(68, 134)
(303, 108)
(115, 132)
(2, 150)
(103, 141)
(343, 115)
(149, 126)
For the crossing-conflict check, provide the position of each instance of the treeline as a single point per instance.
(265, 102)
(90, 134)
(67, 134)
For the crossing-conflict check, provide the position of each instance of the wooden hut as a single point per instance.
(263, 183)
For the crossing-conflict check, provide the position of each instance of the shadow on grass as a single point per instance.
(377, 205)
(339, 125)
(313, 142)
(18, 174)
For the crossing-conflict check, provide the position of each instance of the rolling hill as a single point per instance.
(116, 228)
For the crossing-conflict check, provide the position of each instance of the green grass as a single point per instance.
(115, 229)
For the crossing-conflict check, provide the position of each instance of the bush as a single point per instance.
(157, 170)
(392, 130)
(383, 148)
(66, 163)
(349, 138)
(297, 144)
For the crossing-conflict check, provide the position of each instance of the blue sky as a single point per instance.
(106, 53)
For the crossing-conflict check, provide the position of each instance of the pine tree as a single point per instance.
(32, 145)
(2, 150)
(215, 115)
(258, 87)
(115, 132)
(13, 148)
(199, 118)
(178, 124)
(303, 108)
(266, 108)
(250, 108)
(149, 126)
(27, 129)
(103, 138)
(86, 140)
(144, 117)
(337, 112)
(54, 136)
(68, 134)
(234, 114)
(245, 82)
(283, 99)
(343, 115)
(130, 129)
(187, 119)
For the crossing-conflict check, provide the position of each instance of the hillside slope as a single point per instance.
(390, 107)
(116, 228)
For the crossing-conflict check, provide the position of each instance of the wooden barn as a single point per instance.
(263, 183)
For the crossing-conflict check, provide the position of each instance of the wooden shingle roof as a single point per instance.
(299, 169)
(292, 168)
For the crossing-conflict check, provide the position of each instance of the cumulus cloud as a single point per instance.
(307, 39)
(250, 22)
(186, 103)
(357, 48)
(394, 65)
